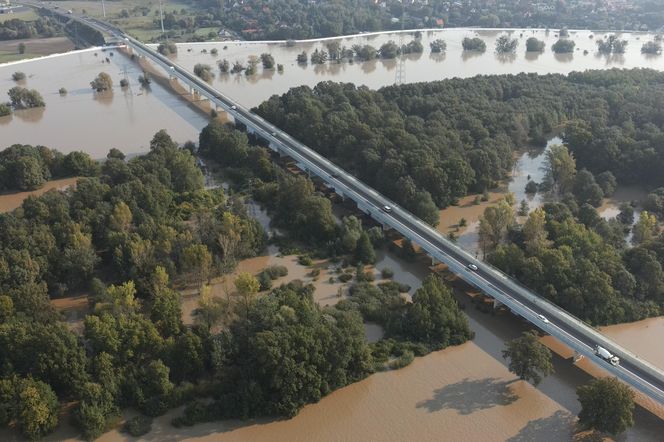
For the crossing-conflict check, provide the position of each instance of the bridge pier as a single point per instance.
(496, 303)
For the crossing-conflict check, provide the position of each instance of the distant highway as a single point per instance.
(570, 330)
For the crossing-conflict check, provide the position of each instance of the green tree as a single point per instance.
(29, 173)
(563, 46)
(95, 411)
(506, 45)
(607, 405)
(528, 358)
(21, 48)
(534, 45)
(434, 318)
(364, 253)
(559, 169)
(267, 60)
(389, 50)
(37, 408)
(103, 82)
(196, 260)
(438, 46)
(166, 312)
(211, 310)
(494, 224)
(534, 232)
(645, 228)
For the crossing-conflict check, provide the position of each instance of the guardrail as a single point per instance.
(265, 129)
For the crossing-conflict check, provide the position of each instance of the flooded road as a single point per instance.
(83, 120)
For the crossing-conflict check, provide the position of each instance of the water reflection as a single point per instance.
(467, 55)
(369, 66)
(532, 56)
(105, 98)
(30, 115)
(564, 58)
(438, 57)
(506, 58)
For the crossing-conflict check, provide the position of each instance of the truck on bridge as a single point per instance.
(607, 355)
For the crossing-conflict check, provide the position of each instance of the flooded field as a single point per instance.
(251, 91)
(125, 119)
(461, 393)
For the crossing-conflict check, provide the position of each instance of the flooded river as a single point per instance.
(461, 393)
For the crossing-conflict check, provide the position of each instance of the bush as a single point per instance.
(264, 280)
(138, 426)
(563, 46)
(534, 45)
(531, 187)
(404, 288)
(304, 260)
(204, 72)
(276, 272)
(473, 44)
(124, 83)
(103, 82)
(387, 273)
(167, 48)
(402, 361)
(345, 277)
(62, 91)
(5, 109)
(315, 273)
(18, 76)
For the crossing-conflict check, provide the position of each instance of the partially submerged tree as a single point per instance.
(607, 405)
(103, 82)
(528, 358)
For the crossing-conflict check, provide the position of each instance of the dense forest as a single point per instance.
(132, 233)
(427, 144)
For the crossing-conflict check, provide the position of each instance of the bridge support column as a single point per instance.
(577, 357)
(496, 303)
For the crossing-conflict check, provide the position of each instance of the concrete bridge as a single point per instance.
(548, 317)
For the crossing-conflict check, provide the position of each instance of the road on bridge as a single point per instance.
(560, 324)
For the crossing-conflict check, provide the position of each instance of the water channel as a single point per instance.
(461, 393)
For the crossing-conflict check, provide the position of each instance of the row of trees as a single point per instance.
(15, 28)
(24, 167)
(607, 405)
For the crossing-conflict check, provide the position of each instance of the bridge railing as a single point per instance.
(548, 307)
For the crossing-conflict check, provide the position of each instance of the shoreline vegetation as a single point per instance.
(133, 231)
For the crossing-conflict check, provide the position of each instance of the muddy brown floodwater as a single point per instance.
(251, 91)
(460, 393)
(82, 120)
(10, 201)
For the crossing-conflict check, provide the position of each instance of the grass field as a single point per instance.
(36, 47)
(29, 15)
(142, 27)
